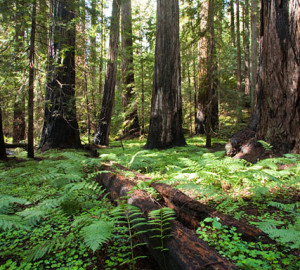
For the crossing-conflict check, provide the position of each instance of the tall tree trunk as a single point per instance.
(93, 56)
(102, 134)
(102, 46)
(246, 48)
(207, 97)
(211, 69)
(280, 90)
(60, 125)
(239, 63)
(166, 105)
(253, 58)
(19, 125)
(143, 92)
(195, 92)
(131, 124)
(276, 118)
(2, 144)
(30, 146)
(232, 24)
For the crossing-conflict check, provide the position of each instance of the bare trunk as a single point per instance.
(102, 135)
(60, 126)
(253, 58)
(210, 73)
(166, 105)
(2, 144)
(239, 63)
(30, 150)
(19, 125)
(92, 58)
(280, 90)
(131, 124)
(232, 25)
(276, 118)
(246, 48)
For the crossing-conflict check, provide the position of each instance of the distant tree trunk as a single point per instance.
(143, 92)
(253, 58)
(102, 134)
(166, 105)
(93, 56)
(60, 125)
(246, 48)
(19, 125)
(195, 92)
(207, 102)
(30, 147)
(239, 63)
(212, 105)
(102, 46)
(2, 144)
(276, 118)
(131, 124)
(232, 24)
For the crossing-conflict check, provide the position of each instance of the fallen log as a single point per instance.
(190, 212)
(185, 250)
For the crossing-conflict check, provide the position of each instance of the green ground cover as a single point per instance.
(50, 207)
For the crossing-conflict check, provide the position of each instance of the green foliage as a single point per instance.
(129, 219)
(97, 234)
(160, 220)
(246, 255)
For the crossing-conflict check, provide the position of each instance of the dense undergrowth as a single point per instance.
(54, 216)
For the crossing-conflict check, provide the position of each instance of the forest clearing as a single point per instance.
(149, 134)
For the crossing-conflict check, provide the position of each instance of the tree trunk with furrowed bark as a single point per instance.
(276, 118)
(166, 105)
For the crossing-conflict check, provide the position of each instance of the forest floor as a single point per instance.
(51, 208)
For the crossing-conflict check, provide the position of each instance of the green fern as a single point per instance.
(160, 221)
(9, 221)
(6, 201)
(33, 215)
(130, 225)
(97, 234)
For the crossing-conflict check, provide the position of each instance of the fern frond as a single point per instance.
(6, 201)
(35, 214)
(9, 221)
(96, 234)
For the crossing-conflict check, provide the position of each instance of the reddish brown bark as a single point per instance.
(60, 128)
(131, 124)
(166, 105)
(276, 118)
(30, 150)
(102, 134)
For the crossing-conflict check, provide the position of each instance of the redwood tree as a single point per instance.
(60, 124)
(2, 144)
(166, 105)
(102, 134)
(131, 124)
(278, 105)
(276, 118)
(30, 149)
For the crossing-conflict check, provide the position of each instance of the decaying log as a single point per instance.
(185, 250)
(190, 212)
